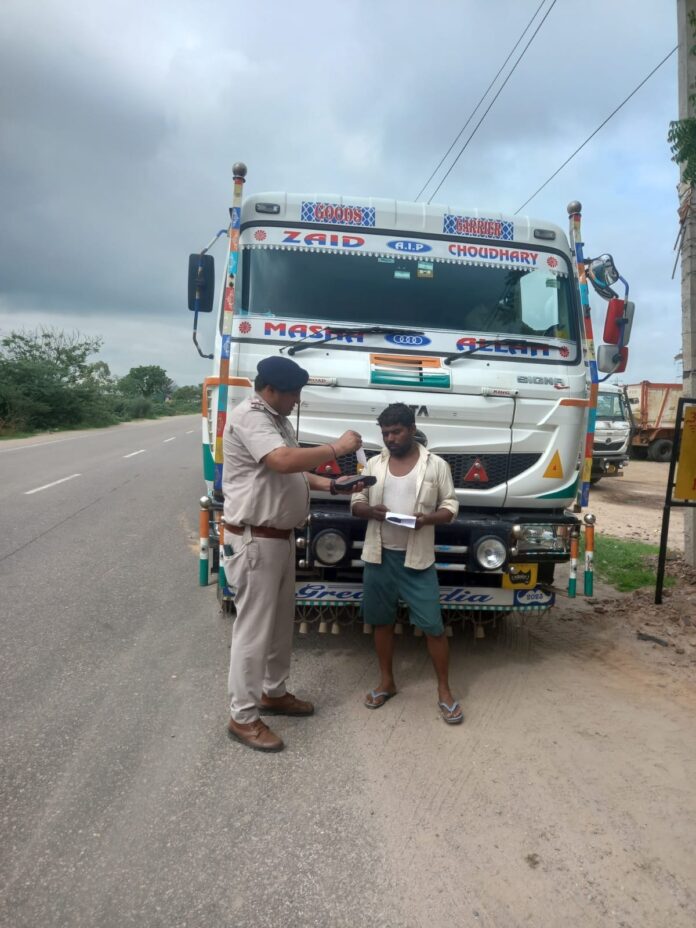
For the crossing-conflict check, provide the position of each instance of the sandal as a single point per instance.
(375, 699)
(450, 713)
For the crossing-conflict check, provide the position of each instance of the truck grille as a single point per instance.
(497, 467)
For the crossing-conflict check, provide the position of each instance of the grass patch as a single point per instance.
(625, 564)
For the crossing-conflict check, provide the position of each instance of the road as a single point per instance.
(568, 797)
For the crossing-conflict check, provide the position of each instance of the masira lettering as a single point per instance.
(306, 330)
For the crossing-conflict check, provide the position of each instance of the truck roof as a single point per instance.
(373, 213)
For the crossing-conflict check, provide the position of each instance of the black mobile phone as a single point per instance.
(349, 481)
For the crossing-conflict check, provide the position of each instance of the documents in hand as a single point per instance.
(398, 518)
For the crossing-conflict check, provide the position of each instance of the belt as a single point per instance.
(260, 531)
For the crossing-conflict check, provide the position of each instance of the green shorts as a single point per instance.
(386, 583)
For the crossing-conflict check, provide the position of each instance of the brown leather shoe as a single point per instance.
(287, 704)
(255, 735)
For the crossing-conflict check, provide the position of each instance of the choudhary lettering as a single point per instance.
(490, 253)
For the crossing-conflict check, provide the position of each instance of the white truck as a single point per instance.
(613, 431)
(474, 319)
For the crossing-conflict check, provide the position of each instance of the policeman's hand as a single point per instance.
(379, 512)
(349, 441)
(354, 488)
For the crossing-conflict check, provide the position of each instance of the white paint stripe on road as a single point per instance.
(54, 484)
(168, 439)
(133, 453)
(190, 431)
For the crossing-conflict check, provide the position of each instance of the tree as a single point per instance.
(47, 380)
(150, 381)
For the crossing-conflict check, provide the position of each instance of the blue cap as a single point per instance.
(282, 374)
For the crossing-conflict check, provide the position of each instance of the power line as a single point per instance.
(600, 126)
(483, 97)
(502, 87)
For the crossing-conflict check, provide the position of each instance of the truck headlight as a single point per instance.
(490, 552)
(543, 537)
(330, 546)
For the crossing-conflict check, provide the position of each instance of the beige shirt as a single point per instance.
(434, 490)
(255, 494)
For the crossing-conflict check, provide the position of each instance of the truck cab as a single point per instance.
(613, 429)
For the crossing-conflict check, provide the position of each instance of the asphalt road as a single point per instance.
(123, 803)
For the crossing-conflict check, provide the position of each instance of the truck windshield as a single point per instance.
(611, 406)
(379, 289)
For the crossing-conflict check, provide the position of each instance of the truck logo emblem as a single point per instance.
(409, 246)
(414, 341)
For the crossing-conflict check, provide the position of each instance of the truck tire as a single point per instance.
(660, 450)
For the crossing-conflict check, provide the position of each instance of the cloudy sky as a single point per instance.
(120, 121)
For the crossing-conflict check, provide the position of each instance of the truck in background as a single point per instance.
(479, 321)
(654, 410)
(613, 429)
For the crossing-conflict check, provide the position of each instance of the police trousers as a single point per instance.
(262, 572)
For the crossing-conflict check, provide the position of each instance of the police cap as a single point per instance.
(282, 374)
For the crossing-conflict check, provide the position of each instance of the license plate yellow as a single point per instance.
(524, 578)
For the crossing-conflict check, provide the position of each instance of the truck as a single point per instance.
(613, 429)
(654, 410)
(477, 320)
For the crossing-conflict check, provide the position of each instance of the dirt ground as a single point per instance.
(568, 797)
(631, 507)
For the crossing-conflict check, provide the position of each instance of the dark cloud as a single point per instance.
(119, 124)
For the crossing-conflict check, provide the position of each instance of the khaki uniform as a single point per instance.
(262, 570)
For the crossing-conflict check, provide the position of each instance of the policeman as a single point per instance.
(266, 486)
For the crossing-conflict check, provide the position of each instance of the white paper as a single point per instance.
(361, 458)
(403, 521)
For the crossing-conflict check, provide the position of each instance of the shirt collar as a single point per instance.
(423, 452)
(257, 398)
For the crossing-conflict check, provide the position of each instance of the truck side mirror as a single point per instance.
(602, 273)
(612, 360)
(619, 316)
(201, 283)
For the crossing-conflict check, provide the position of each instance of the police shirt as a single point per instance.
(255, 494)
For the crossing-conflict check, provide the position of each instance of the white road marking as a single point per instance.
(55, 483)
(190, 431)
(168, 439)
(133, 453)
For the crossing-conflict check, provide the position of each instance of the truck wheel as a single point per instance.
(660, 450)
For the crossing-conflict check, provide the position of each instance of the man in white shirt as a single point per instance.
(399, 561)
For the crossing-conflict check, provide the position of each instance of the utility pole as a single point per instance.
(686, 10)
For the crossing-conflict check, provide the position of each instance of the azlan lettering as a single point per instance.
(483, 344)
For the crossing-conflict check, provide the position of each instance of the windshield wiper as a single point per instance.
(332, 333)
(494, 340)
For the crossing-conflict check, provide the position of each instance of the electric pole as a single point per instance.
(686, 11)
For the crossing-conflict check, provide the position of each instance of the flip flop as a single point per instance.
(445, 711)
(382, 695)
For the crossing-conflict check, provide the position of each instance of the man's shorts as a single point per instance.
(386, 583)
